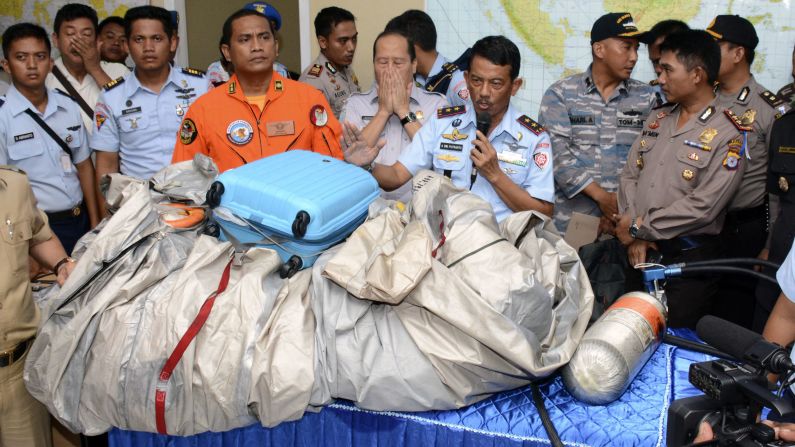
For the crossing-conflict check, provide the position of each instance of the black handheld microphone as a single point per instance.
(483, 123)
(745, 344)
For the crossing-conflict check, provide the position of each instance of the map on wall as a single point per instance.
(42, 12)
(554, 35)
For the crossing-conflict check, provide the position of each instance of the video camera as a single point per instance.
(734, 392)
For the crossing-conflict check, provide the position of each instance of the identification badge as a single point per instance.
(66, 163)
(279, 128)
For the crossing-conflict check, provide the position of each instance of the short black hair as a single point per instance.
(418, 26)
(23, 30)
(412, 52)
(695, 48)
(110, 20)
(226, 31)
(499, 50)
(73, 11)
(151, 13)
(328, 18)
(666, 27)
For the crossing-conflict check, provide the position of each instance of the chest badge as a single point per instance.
(748, 117)
(783, 184)
(707, 135)
(455, 136)
(654, 125)
(688, 175)
(180, 110)
(239, 132)
(133, 123)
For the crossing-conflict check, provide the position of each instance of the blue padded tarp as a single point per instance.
(505, 419)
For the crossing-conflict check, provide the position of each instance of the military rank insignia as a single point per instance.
(113, 83)
(277, 85)
(444, 112)
(738, 122)
(530, 124)
(707, 114)
(193, 72)
(315, 70)
(772, 99)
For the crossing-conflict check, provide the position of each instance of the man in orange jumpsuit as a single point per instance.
(258, 112)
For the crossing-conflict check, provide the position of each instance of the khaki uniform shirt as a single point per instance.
(336, 85)
(758, 108)
(22, 225)
(680, 181)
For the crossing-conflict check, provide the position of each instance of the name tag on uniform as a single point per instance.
(451, 147)
(279, 128)
(131, 110)
(628, 120)
(367, 117)
(582, 120)
(23, 137)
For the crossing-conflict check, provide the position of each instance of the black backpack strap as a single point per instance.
(49, 131)
(72, 92)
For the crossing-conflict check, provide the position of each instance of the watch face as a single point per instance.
(412, 116)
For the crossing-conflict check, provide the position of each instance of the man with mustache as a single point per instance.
(510, 166)
(682, 173)
(258, 112)
(331, 72)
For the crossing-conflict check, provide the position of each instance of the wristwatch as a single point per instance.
(410, 118)
(633, 228)
(60, 263)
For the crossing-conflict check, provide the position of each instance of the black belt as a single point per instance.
(684, 243)
(8, 358)
(65, 214)
(747, 214)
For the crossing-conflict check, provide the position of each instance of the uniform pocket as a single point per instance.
(131, 123)
(25, 149)
(449, 160)
(16, 235)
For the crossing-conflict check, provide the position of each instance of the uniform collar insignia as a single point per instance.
(232, 88)
(330, 68)
(743, 94)
(707, 114)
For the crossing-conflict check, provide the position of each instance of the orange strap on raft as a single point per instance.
(189, 216)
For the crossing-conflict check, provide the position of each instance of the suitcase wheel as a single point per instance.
(289, 268)
(214, 194)
(300, 223)
(212, 229)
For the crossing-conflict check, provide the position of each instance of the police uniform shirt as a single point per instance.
(680, 181)
(457, 92)
(591, 138)
(444, 143)
(22, 226)
(757, 107)
(142, 125)
(362, 107)
(23, 143)
(89, 90)
(336, 85)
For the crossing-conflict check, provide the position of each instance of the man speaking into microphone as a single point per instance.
(508, 162)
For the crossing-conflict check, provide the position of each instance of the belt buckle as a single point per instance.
(76, 211)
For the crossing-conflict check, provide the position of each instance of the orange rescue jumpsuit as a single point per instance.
(226, 127)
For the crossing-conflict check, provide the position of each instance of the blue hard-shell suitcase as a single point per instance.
(298, 203)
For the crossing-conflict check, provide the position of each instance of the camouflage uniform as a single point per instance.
(590, 139)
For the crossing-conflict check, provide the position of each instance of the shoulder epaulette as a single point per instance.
(315, 70)
(193, 72)
(530, 124)
(771, 99)
(737, 121)
(444, 112)
(450, 67)
(113, 83)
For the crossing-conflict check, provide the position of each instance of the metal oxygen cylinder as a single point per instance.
(615, 348)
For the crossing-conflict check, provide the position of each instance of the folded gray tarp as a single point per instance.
(428, 307)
